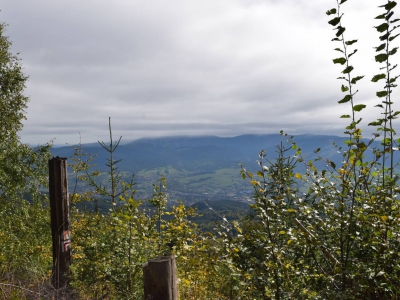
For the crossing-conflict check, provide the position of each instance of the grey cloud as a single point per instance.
(220, 67)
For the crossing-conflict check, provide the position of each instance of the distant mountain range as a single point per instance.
(200, 168)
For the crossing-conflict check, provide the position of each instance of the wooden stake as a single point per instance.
(59, 205)
(160, 279)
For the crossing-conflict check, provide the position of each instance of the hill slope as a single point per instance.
(200, 168)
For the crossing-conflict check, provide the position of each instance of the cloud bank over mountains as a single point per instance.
(157, 68)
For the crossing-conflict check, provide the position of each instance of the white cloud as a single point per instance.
(221, 67)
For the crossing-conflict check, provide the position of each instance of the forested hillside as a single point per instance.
(200, 168)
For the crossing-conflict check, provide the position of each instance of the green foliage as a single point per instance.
(109, 249)
(22, 169)
(25, 237)
(339, 239)
(115, 187)
(265, 254)
(25, 249)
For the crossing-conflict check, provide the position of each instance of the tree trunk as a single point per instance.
(160, 279)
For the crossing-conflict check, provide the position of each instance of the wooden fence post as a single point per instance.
(160, 279)
(59, 205)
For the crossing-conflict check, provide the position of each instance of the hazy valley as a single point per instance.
(198, 168)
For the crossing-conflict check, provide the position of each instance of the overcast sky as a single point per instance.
(187, 67)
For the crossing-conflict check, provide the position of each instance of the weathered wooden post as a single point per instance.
(59, 205)
(160, 279)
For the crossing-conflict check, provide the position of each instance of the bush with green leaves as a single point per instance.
(25, 236)
(341, 238)
(22, 168)
(109, 249)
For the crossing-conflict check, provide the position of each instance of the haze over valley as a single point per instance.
(199, 168)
